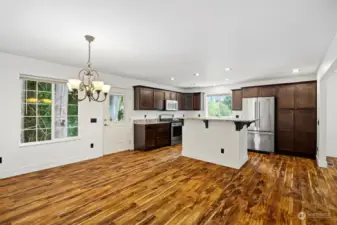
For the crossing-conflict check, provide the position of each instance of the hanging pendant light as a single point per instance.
(89, 80)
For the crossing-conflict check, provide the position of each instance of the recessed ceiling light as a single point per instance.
(172, 78)
(226, 79)
(296, 70)
(196, 74)
(228, 69)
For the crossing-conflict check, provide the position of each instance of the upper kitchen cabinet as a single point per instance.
(143, 98)
(305, 95)
(170, 95)
(237, 99)
(148, 98)
(250, 92)
(286, 96)
(188, 101)
(267, 91)
(158, 98)
(167, 95)
(198, 101)
(180, 99)
(173, 95)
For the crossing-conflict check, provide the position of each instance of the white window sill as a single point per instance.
(60, 140)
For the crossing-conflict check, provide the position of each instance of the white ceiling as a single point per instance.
(158, 39)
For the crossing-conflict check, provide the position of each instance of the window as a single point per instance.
(48, 111)
(219, 105)
(116, 107)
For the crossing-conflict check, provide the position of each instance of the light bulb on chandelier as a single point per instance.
(89, 81)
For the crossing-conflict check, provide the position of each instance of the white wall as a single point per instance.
(18, 160)
(326, 83)
(331, 116)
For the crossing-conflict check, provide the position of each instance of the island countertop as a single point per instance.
(218, 119)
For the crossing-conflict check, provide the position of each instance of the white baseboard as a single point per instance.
(321, 163)
(32, 168)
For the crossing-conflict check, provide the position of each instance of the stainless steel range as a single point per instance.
(176, 128)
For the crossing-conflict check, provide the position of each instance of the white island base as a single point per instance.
(219, 141)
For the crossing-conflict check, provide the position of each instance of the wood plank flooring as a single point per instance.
(162, 187)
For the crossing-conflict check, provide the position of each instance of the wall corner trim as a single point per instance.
(321, 163)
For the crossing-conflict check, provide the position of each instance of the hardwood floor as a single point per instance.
(162, 187)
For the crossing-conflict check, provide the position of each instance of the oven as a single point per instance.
(176, 132)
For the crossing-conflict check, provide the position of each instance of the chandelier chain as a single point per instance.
(89, 55)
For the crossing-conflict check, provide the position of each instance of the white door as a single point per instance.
(117, 126)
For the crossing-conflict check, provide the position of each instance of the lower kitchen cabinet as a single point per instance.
(150, 136)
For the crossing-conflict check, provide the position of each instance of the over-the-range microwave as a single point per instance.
(170, 105)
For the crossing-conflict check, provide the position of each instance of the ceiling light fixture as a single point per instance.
(296, 70)
(228, 69)
(226, 79)
(196, 74)
(172, 78)
(89, 80)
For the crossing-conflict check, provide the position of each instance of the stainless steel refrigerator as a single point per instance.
(261, 134)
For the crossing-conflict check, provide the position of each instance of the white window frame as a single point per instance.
(222, 94)
(53, 139)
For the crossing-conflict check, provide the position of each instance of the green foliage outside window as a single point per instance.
(219, 105)
(38, 112)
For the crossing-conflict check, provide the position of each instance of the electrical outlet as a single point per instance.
(222, 151)
(92, 145)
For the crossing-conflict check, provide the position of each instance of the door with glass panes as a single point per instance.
(117, 125)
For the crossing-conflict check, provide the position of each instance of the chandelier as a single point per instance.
(89, 81)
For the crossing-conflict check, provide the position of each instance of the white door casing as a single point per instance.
(117, 135)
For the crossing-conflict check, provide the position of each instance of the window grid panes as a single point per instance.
(219, 105)
(46, 112)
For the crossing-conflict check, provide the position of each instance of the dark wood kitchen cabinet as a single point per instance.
(296, 118)
(305, 131)
(267, 91)
(168, 95)
(143, 98)
(158, 98)
(188, 101)
(180, 99)
(198, 101)
(305, 96)
(237, 99)
(173, 95)
(150, 136)
(286, 96)
(250, 92)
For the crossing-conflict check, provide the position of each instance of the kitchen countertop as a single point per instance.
(218, 119)
(150, 121)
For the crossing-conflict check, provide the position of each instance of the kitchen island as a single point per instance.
(215, 140)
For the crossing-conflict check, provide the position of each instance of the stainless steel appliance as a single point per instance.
(176, 128)
(170, 105)
(261, 134)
